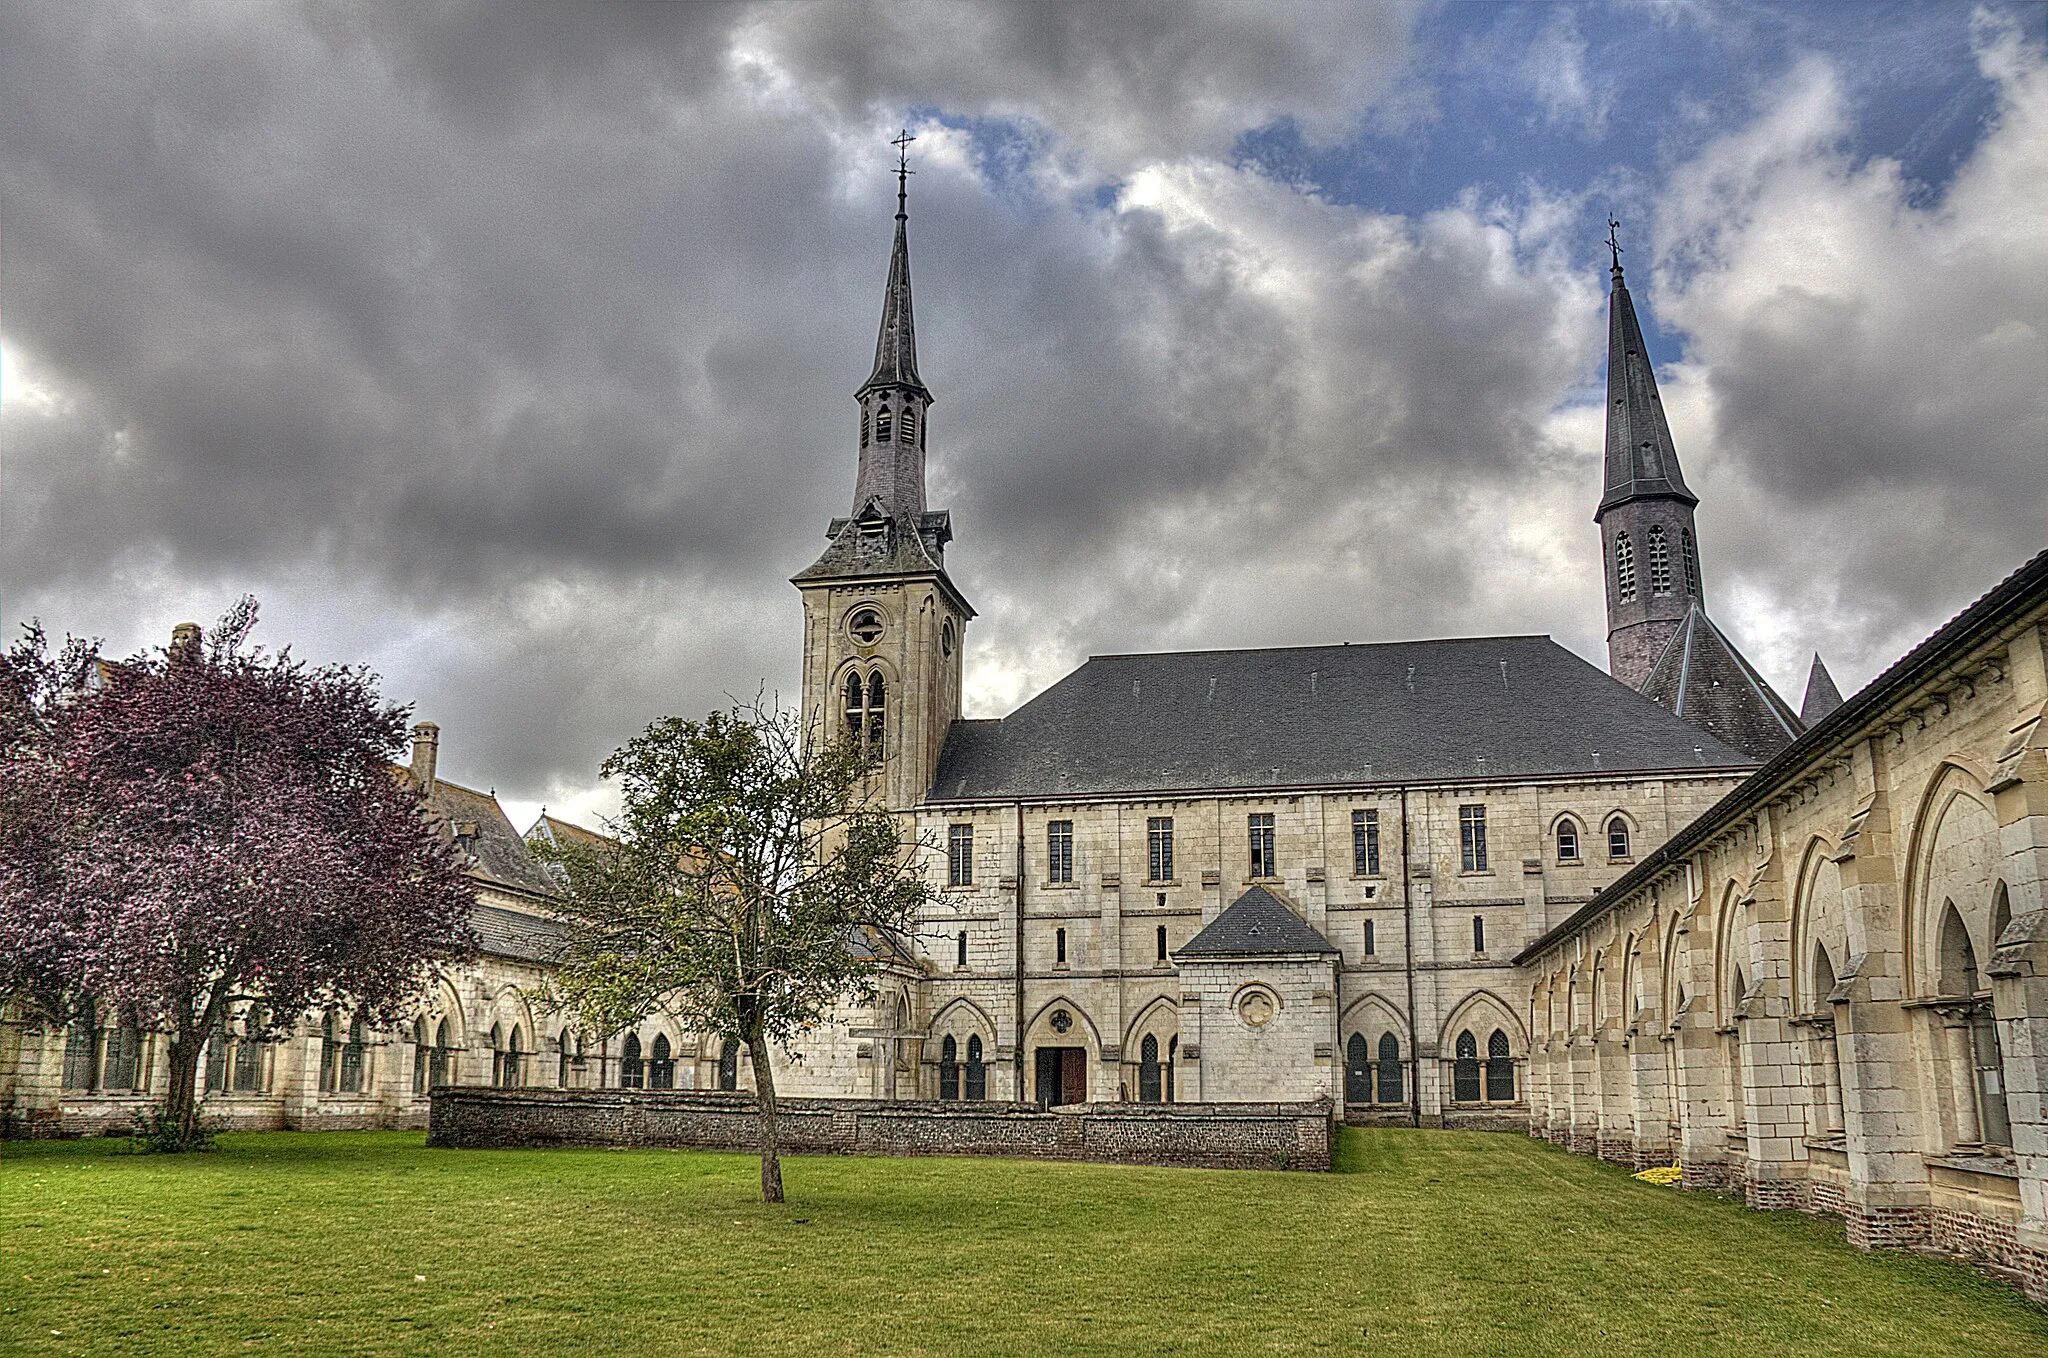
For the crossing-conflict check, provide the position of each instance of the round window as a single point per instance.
(946, 638)
(865, 626)
(1257, 1007)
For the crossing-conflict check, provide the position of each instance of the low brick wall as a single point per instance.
(1209, 1135)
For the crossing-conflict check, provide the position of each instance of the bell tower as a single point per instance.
(884, 626)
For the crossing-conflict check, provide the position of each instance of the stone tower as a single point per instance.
(884, 626)
(1645, 514)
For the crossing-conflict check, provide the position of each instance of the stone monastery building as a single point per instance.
(1648, 913)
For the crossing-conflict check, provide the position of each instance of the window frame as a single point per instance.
(1365, 841)
(1619, 833)
(1567, 826)
(1059, 853)
(1262, 847)
(1159, 849)
(960, 854)
(1472, 855)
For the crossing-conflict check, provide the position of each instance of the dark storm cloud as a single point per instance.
(511, 348)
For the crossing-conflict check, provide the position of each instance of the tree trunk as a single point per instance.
(181, 1095)
(771, 1130)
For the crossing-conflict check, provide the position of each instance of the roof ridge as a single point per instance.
(1325, 646)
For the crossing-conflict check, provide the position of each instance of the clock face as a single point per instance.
(865, 626)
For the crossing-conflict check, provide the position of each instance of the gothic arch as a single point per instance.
(963, 1018)
(446, 1004)
(1039, 1032)
(1384, 1017)
(1818, 921)
(1160, 1017)
(1954, 857)
(1482, 1011)
(1672, 993)
(1734, 969)
(1629, 823)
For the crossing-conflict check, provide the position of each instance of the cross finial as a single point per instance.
(1613, 243)
(903, 171)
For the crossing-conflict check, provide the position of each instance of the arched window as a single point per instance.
(1387, 1079)
(1148, 1070)
(1500, 1069)
(949, 1068)
(882, 425)
(1978, 1061)
(908, 434)
(421, 1049)
(1159, 941)
(330, 1055)
(515, 1060)
(437, 1064)
(960, 949)
(977, 1071)
(1660, 561)
(878, 692)
(729, 1065)
(1172, 1056)
(1617, 838)
(81, 1053)
(1357, 1070)
(855, 706)
(352, 1055)
(1624, 569)
(564, 1059)
(1567, 840)
(632, 1072)
(661, 1064)
(1479, 933)
(217, 1059)
(1465, 1070)
(248, 1074)
(863, 426)
(1690, 557)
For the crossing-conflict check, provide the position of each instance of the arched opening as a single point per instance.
(882, 425)
(1500, 1069)
(1691, 558)
(632, 1070)
(352, 1058)
(1567, 840)
(1624, 569)
(1976, 1055)
(863, 426)
(1617, 837)
(855, 707)
(564, 1059)
(908, 434)
(1660, 561)
(949, 1068)
(330, 1057)
(1357, 1070)
(960, 949)
(1827, 1068)
(977, 1070)
(1149, 1087)
(437, 1063)
(1387, 1081)
(1465, 1069)
(729, 1065)
(878, 692)
(661, 1064)
(421, 1054)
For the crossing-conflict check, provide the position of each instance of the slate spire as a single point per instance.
(896, 342)
(1822, 697)
(893, 400)
(1641, 459)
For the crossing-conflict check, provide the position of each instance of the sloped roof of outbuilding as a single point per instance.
(1319, 716)
(1257, 924)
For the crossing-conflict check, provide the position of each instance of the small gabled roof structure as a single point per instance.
(1702, 677)
(502, 857)
(1257, 924)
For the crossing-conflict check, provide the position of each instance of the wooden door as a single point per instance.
(1073, 1075)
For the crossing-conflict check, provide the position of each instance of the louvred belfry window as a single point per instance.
(882, 425)
(1660, 561)
(1624, 568)
(909, 433)
(1691, 559)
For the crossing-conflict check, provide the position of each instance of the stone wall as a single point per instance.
(1217, 1136)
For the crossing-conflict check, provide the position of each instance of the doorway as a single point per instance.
(1062, 1075)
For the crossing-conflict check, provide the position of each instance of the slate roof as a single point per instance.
(1257, 924)
(876, 542)
(1704, 679)
(514, 933)
(502, 856)
(1822, 697)
(1319, 716)
(1641, 459)
(896, 341)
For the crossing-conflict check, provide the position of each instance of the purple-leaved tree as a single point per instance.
(209, 834)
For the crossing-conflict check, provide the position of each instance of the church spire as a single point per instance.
(896, 342)
(1641, 460)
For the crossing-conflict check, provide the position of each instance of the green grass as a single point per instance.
(1425, 1242)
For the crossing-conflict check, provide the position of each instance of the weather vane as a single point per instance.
(1613, 243)
(903, 171)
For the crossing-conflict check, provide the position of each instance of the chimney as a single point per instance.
(185, 640)
(426, 746)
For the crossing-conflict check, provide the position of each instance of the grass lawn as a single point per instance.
(1424, 1242)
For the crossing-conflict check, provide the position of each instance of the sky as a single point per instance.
(510, 350)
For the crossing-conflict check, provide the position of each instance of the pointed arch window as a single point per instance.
(1660, 561)
(437, 1061)
(1148, 1070)
(1387, 1079)
(632, 1070)
(1567, 840)
(863, 426)
(1624, 569)
(1357, 1070)
(1500, 1069)
(661, 1064)
(865, 703)
(1465, 1070)
(81, 1052)
(353, 1053)
(949, 1068)
(1617, 838)
(330, 1055)
(907, 435)
(565, 1057)
(1977, 1059)
(882, 425)
(977, 1070)
(1689, 558)
(729, 1065)
(421, 1053)
(878, 693)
